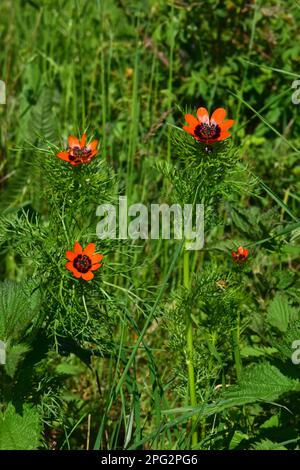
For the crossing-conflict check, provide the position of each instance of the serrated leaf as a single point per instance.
(260, 383)
(266, 444)
(19, 304)
(257, 351)
(20, 432)
(279, 312)
(263, 382)
(14, 355)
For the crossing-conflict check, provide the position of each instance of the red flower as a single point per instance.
(208, 130)
(79, 153)
(83, 262)
(241, 255)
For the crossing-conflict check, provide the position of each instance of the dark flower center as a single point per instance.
(80, 154)
(82, 263)
(207, 131)
(240, 257)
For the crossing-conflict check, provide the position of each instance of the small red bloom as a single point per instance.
(206, 129)
(83, 262)
(78, 152)
(241, 255)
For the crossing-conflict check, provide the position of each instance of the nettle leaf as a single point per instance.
(287, 344)
(257, 351)
(20, 432)
(259, 383)
(14, 355)
(266, 444)
(19, 304)
(280, 313)
(262, 382)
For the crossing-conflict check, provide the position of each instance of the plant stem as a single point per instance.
(190, 347)
(236, 349)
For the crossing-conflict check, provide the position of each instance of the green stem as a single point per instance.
(236, 349)
(190, 348)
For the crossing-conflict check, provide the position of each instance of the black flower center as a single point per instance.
(82, 263)
(207, 131)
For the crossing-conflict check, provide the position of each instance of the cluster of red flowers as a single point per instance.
(205, 129)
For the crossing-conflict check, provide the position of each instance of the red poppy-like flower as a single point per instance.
(78, 152)
(241, 255)
(83, 262)
(208, 129)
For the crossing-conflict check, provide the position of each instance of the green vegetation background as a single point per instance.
(128, 71)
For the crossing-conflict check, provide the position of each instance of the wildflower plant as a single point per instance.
(206, 170)
(61, 257)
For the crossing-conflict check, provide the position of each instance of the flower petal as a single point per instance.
(69, 266)
(224, 135)
(88, 276)
(218, 115)
(92, 145)
(73, 142)
(95, 266)
(188, 129)
(63, 155)
(97, 258)
(202, 115)
(191, 120)
(77, 274)
(227, 124)
(77, 249)
(83, 140)
(70, 255)
(90, 249)
(91, 156)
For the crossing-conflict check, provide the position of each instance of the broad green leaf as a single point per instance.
(20, 432)
(279, 312)
(14, 355)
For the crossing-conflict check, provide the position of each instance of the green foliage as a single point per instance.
(20, 431)
(266, 444)
(261, 382)
(280, 314)
(107, 363)
(14, 355)
(19, 306)
(42, 123)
